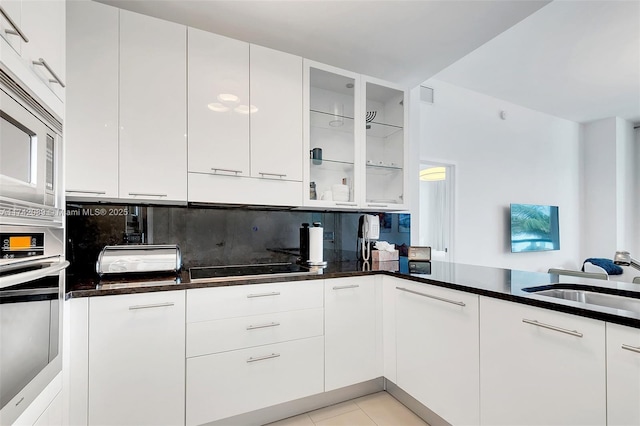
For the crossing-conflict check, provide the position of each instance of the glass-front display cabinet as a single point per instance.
(333, 131)
(385, 146)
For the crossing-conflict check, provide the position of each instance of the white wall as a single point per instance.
(530, 157)
(611, 190)
(599, 189)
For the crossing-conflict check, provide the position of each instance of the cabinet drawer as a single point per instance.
(208, 337)
(231, 383)
(207, 304)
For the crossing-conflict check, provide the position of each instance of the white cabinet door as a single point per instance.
(91, 128)
(438, 350)
(218, 88)
(276, 115)
(137, 359)
(44, 21)
(153, 147)
(540, 367)
(385, 149)
(13, 9)
(623, 375)
(236, 382)
(352, 331)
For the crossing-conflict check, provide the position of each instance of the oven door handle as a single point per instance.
(23, 277)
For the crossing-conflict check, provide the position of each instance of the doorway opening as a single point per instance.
(436, 209)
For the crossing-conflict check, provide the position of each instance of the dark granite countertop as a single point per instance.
(486, 281)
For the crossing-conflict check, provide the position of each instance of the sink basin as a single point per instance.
(590, 295)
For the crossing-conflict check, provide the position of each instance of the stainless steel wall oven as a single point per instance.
(32, 259)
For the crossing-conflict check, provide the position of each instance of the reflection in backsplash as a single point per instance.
(212, 236)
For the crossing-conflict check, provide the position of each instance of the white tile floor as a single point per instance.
(376, 409)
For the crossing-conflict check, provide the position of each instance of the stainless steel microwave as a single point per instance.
(30, 149)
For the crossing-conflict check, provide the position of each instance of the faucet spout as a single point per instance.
(624, 258)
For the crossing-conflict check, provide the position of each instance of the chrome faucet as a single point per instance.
(624, 258)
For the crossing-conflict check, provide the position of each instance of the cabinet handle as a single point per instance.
(552, 327)
(347, 204)
(154, 305)
(85, 192)
(272, 324)
(378, 205)
(144, 194)
(55, 79)
(631, 348)
(273, 293)
(16, 29)
(216, 170)
(340, 287)
(431, 297)
(262, 358)
(280, 175)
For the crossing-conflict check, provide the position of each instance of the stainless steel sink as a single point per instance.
(590, 295)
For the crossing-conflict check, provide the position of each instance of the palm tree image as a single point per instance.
(532, 228)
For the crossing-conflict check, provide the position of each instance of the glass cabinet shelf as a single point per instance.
(382, 130)
(330, 165)
(383, 169)
(326, 120)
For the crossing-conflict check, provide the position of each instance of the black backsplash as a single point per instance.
(211, 236)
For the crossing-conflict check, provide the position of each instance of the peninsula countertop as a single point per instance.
(499, 283)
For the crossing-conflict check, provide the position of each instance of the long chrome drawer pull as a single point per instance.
(44, 63)
(631, 348)
(432, 297)
(340, 287)
(273, 293)
(378, 205)
(85, 192)
(280, 175)
(552, 327)
(215, 170)
(16, 29)
(155, 305)
(261, 358)
(272, 324)
(347, 204)
(145, 194)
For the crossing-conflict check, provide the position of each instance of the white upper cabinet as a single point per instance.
(32, 48)
(385, 150)
(218, 104)
(91, 132)
(11, 24)
(276, 114)
(44, 21)
(623, 375)
(153, 106)
(355, 135)
(333, 130)
(245, 123)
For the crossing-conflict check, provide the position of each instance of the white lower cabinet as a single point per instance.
(540, 367)
(137, 359)
(353, 332)
(437, 350)
(623, 375)
(252, 346)
(230, 383)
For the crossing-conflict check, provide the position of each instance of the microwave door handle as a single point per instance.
(29, 262)
(23, 277)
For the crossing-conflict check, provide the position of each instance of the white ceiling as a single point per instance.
(397, 40)
(579, 60)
